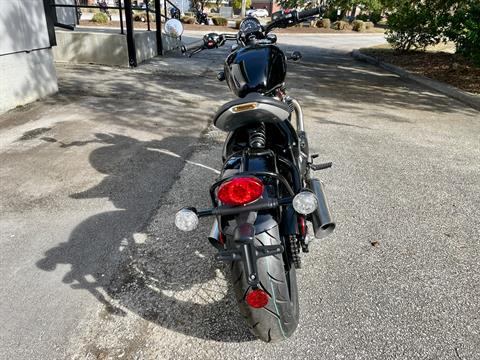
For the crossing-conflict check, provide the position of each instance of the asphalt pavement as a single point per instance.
(95, 269)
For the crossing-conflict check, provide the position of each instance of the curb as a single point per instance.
(448, 90)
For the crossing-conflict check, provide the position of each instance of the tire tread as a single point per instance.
(279, 319)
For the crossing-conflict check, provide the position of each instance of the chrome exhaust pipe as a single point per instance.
(214, 236)
(322, 220)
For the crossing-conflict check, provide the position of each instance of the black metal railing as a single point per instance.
(78, 12)
(125, 11)
(103, 7)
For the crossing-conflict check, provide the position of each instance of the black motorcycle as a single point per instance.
(103, 6)
(200, 16)
(175, 13)
(265, 194)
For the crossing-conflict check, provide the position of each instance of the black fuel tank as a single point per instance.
(255, 69)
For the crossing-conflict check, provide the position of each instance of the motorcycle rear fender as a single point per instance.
(261, 222)
(289, 224)
(244, 244)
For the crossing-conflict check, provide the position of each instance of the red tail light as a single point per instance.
(240, 191)
(302, 226)
(257, 298)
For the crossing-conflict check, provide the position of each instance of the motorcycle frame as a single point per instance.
(242, 246)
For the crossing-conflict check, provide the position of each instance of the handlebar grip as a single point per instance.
(309, 13)
(193, 46)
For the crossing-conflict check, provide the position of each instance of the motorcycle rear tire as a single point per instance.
(279, 318)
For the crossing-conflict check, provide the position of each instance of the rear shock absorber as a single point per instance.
(257, 137)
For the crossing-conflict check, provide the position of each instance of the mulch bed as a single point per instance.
(450, 68)
(220, 29)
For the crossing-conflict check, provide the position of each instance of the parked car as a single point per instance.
(258, 13)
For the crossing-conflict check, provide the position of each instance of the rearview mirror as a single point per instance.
(173, 28)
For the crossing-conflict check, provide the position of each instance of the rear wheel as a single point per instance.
(279, 318)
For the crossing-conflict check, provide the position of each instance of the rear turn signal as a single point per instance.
(257, 299)
(305, 202)
(186, 220)
(240, 191)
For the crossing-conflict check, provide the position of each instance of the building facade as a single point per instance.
(27, 70)
(270, 5)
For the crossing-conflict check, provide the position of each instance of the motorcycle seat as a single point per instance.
(253, 108)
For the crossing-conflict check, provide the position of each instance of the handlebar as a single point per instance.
(293, 18)
(309, 13)
(213, 40)
(193, 46)
(209, 41)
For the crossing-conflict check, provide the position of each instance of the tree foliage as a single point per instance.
(237, 4)
(348, 5)
(464, 30)
(417, 24)
(290, 4)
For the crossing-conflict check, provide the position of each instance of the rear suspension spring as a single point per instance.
(257, 137)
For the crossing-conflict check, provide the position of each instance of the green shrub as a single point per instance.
(383, 21)
(237, 24)
(220, 21)
(418, 24)
(415, 26)
(189, 14)
(187, 20)
(100, 18)
(323, 23)
(363, 17)
(369, 25)
(375, 16)
(358, 25)
(340, 25)
(237, 4)
(465, 31)
(332, 15)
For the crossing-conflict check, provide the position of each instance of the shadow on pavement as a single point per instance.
(332, 76)
(339, 83)
(173, 284)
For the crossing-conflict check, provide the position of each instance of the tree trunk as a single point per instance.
(244, 5)
(354, 11)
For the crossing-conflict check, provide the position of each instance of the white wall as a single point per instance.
(27, 72)
(107, 48)
(22, 26)
(65, 15)
(26, 77)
